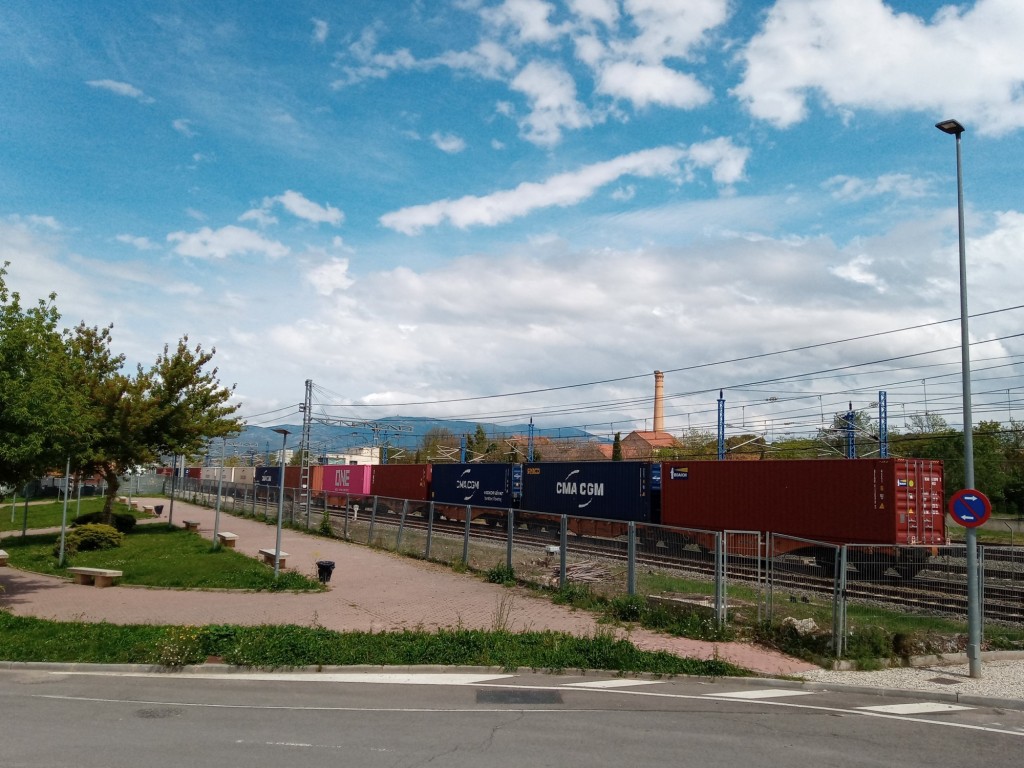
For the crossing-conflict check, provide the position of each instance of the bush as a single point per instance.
(122, 521)
(502, 574)
(89, 537)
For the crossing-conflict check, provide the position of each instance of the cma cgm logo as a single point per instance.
(468, 486)
(572, 486)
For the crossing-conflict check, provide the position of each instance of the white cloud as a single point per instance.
(448, 142)
(121, 89)
(854, 188)
(858, 270)
(184, 127)
(964, 61)
(646, 84)
(329, 278)
(604, 11)
(139, 243)
(225, 242)
(297, 205)
(551, 93)
(720, 155)
(320, 29)
(526, 19)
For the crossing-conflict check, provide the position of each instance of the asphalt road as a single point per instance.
(115, 719)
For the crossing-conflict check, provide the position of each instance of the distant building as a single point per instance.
(641, 446)
(365, 455)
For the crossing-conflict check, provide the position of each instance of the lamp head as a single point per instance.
(952, 127)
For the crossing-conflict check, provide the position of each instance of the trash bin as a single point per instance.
(158, 509)
(324, 568)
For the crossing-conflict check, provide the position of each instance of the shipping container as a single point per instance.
(343, 479)
(268, 476)
(862, 501)
(611, 490)
(194, 472)
(292, 477)
(243, 475)
(483, 485)
(401, 481)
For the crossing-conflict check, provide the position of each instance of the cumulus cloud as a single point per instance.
(330, 277)
(551, 93)
(725, 160)
(646, 84)
(207, 243)
(963, 61)
(297, 205)
(121, 89)
(448, 142)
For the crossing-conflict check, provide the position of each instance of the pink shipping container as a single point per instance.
(349, 479)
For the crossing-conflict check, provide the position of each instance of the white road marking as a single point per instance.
(916, 708)
(379, 678)
(764, 693)
(612, 683)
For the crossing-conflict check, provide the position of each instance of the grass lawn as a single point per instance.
(160, 556)
(48, 515)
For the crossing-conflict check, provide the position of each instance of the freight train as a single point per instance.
(893, 507)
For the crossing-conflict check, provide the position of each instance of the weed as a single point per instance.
(502, 574)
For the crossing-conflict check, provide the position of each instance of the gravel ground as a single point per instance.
(1001, 679)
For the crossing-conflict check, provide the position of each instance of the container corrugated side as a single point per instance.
(841, 500)
(610, 490)
(484, 485)
(352, 479)
(401, 481)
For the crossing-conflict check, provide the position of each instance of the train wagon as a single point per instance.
(335, 483)
(614, 492)
(390, 482)
(485, 488)
(855, 501)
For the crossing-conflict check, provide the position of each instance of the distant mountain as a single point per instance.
(398, 432)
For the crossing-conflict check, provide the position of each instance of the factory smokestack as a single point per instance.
(659, 401)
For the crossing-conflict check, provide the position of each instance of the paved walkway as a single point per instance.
(369, 591)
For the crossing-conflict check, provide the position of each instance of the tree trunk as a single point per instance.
(113, 485)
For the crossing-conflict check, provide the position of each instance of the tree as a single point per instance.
(439, 443)
(39, 424)
(617, 447)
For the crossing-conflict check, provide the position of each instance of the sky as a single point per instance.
(498, 210)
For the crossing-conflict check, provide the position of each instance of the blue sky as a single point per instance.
(423, 205)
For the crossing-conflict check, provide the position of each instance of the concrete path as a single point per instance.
(369, 590)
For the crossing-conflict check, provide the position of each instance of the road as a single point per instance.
(115, 719)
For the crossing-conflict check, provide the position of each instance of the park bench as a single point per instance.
(3, 558)
(191, 525)
(147, 508)
(99, 577)
(268, 556)
(227, 538)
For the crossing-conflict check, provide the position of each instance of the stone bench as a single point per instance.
(227, 538)
(268, 556)
(191, 525)
(3, 558)
(147, 508)
(99, 577)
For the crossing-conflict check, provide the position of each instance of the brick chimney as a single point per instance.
(659, 401)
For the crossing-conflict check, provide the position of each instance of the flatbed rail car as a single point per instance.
(893, 506)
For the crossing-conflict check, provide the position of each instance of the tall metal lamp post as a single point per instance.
(280, 502)
(954, 128)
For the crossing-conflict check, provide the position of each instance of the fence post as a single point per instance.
(508, 539)
(839, 602)
(769, 578)
(373, 521)
(344, 525)
(563, 539)
(631, 560)
(430, 529)
(401, 525)
(465, 536)
(719, 579)
(981, 591)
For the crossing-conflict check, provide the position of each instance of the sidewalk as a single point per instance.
(370, 591)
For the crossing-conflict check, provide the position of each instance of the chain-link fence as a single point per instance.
(744, 577)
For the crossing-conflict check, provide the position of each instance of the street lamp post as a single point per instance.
(280, 502)
(954, 128)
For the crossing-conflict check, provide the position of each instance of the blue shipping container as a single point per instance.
(482, 485)
(268, 476)
(610, 490)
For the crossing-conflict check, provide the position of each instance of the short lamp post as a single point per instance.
(954, 128)
(280, 502)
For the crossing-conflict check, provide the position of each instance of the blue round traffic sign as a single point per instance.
(970, 508)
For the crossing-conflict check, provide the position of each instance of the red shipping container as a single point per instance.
(401, 481)
(292, 475)
(856, 501)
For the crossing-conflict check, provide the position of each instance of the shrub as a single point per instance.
(122, 521)
(90, 536)
(502, 574)
(628, 607)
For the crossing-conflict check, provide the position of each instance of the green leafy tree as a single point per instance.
(617, 447)
(39, 409)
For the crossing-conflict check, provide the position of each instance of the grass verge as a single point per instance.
(273, 646)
